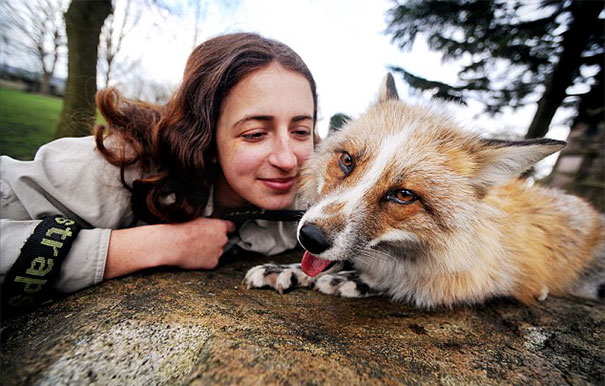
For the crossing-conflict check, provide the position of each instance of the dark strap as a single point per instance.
(240, 215)
(28, 281)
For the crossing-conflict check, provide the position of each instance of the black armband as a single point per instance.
(28, 281)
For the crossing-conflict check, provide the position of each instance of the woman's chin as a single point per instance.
(276, 203)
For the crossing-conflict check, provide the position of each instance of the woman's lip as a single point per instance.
(279, 184)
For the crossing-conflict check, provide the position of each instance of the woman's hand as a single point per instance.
(197, 244)
(200, 242)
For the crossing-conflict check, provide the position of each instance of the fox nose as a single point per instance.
(313, 239)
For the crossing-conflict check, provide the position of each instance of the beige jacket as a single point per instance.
(69, 177)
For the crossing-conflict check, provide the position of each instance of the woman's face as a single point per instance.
(264, 133)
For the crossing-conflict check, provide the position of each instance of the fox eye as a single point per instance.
(346, 163)
(402, 196)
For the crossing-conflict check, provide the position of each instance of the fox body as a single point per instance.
(435, 215)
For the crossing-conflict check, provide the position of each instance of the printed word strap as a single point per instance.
(27, 282)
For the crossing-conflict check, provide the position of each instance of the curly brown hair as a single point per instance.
(174, 144)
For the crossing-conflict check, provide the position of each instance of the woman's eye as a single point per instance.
(346, 163)
(302, 132)
(402, 196)
(253, 136)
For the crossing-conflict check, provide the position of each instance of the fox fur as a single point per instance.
(435, 215)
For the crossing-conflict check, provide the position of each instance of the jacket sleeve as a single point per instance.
(67, 177)
(82, 267)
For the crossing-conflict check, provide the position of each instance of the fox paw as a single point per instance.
(347, 284)
(281, 277)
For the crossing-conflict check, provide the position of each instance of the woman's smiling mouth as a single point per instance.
(279, 184)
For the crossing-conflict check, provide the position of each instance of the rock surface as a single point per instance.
(197, 328)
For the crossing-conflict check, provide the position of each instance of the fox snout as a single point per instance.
(313, 239)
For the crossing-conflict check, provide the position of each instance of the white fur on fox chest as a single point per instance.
(461, 273)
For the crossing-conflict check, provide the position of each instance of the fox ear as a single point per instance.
(387, 89)
(499, 160)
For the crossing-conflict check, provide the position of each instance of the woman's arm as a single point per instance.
(197, 244)
(83, 266)
(69, 177)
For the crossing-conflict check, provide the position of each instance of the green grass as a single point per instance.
(27, 121)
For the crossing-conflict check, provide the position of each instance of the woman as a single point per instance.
(234, 134)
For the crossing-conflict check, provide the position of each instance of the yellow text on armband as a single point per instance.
(40, 266)
(31, 285)
(63, 233)
(64, 221)
(55, 245)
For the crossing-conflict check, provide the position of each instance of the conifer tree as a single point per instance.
(515, 52)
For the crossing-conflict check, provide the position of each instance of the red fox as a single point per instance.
(434, 215)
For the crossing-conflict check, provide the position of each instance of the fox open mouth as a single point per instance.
(313, 266)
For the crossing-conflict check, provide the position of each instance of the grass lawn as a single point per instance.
(27, 121)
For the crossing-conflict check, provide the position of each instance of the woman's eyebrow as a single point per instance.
(301, 118)
(265, 118)
(269, 118)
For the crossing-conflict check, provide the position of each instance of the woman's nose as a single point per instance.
(282, 155)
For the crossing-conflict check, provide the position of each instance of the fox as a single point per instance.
(426, 212)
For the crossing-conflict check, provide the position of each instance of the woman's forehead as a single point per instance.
(272, 91)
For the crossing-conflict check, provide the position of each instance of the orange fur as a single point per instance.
(476, 231)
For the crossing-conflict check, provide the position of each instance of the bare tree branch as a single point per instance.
(34, 30)
(112, 38)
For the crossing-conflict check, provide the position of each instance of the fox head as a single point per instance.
(401, 177)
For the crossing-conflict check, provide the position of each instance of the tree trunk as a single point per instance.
(585, 15)
(83, 22)
(45, 83)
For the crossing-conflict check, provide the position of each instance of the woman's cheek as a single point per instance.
(304, 151)
(245, 160)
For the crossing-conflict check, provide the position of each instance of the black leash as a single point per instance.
(252, 213)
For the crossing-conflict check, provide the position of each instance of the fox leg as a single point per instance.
(281, 277)
(348, 284)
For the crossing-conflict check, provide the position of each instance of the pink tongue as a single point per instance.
(313, 266)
